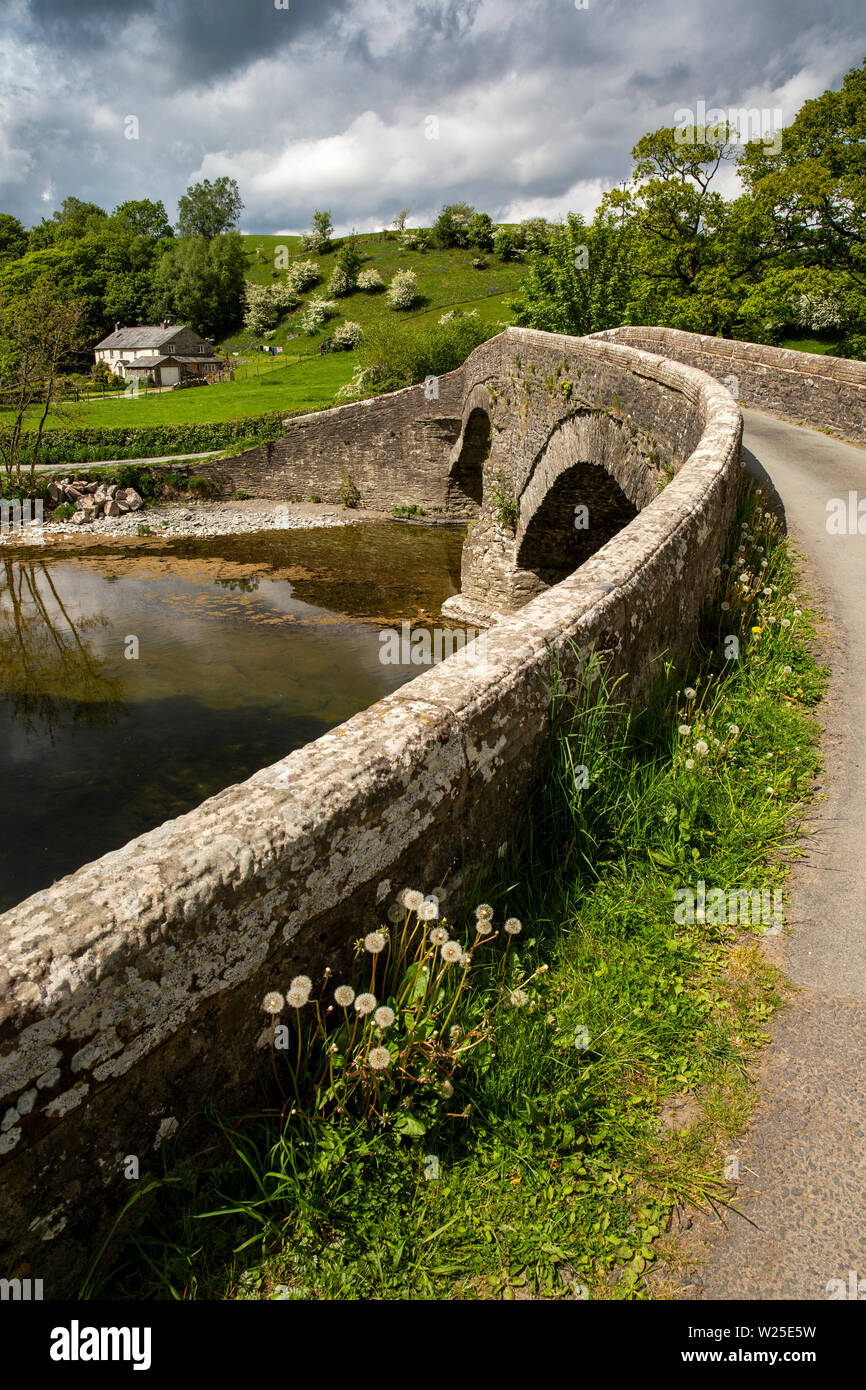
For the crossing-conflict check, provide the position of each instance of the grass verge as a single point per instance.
(528, 1155)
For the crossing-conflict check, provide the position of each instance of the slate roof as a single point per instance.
(149, 336)
(146, 364)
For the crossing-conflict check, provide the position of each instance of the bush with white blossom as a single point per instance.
(403, 290)
(316, 313)
(346, 336)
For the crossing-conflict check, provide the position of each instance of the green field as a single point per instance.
(301, 379)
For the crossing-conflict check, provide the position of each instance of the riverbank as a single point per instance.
(203, 519)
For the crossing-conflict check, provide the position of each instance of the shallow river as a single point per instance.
(134, 683)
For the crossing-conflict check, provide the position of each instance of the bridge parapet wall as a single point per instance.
(824, 392)
(131, 991)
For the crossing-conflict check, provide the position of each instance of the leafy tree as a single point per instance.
(209, 209)
(681, 225)
(72, 219)
(479, 231)
(13, 237)
(814, 191)
(144, 218)
(350, 260)
(39, 337)
(503, 245)
(451, 225)
(579, 279)
(201, 282)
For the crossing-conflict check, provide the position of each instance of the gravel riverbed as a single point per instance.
(198, 519)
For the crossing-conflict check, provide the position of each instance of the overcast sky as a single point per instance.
(327, 103)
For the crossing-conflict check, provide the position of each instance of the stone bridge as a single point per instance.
(600, 481)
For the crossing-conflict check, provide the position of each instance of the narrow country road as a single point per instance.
(803, 1161)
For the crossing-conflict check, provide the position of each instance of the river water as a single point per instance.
(136, 682)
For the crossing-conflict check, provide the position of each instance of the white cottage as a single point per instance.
(167, 353)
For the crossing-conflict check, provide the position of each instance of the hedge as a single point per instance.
(150, 441)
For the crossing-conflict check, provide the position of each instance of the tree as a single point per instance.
(144, 218)
(503, 245)
(201, 282)
(350, 260)
(400, 220)
(73, 219)
(451, 224)
(579, 278)
(39, 334)
(13, 237)
(323, 227)
(209, 209)
(479, 231)
(809, 200)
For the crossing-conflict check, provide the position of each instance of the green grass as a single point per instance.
(552, 1171)
(829, 346)
(264, 383)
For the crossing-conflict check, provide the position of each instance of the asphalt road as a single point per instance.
(803, 1161)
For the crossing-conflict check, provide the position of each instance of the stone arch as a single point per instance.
(466, 476)
(556, 538)
(584, 463)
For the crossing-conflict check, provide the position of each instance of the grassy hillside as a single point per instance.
(301, 379)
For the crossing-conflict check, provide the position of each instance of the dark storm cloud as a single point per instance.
(325, 104)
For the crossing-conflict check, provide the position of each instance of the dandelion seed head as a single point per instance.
(733, 729)
(438, 936)
(484, 926)
(297, 998)
(301, 984)
(344, 995)
(690, 762)
(725, 607)
(379, 1058)
(395, 913)
(365, 1004)
(428, 911)
(518, 997)
(484, 910)
(786, 671)
(685, 729)
(273, 1002)
(466, 960)
(690, 692)
(447, 1089)
(384, 1017)
(514, 926)
(374, 942)
(412, 899)
(451, 952)
(785, 622)
(702, 748)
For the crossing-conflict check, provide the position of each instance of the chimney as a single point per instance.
(117, 328)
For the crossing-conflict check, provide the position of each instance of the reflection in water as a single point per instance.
(135, 683)
(47, 666)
